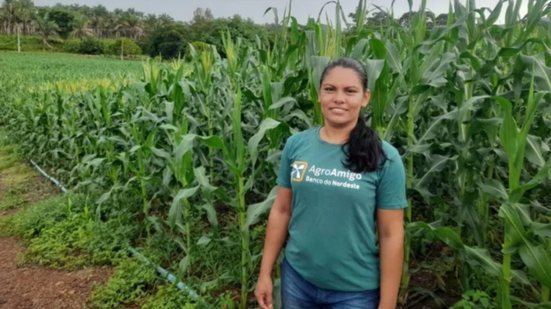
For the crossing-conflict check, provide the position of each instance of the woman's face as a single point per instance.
(342, 96)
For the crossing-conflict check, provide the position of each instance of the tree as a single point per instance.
(64, 19)
(130, 25)
(25, 15)
(46, 26)
(166, 42)
(99, 15)
(152, 22)
(378, 19)
(406, 18)
(81, 27)
(202, 15)
(17, 14)
(441, 20)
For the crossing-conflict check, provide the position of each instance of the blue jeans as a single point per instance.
(297, 293)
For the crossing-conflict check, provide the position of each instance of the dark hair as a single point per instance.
(364, 149)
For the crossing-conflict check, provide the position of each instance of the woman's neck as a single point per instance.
(335, 135)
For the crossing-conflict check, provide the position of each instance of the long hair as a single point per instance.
(364, 149)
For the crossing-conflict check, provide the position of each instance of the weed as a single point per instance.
(168, 297)
(132, 281)
(474, 299)
(61, 232)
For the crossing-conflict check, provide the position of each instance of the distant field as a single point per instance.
(38, 68)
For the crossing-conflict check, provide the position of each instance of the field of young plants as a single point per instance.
(178, 160)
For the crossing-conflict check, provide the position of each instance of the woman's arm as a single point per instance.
(391, 246)
(276, 233)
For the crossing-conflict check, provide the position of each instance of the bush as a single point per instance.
(90, 46)
(72, 46)
(129, 47)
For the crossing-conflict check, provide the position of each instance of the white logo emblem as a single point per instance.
(298, 170)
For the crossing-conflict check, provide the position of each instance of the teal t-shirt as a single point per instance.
(332, 231)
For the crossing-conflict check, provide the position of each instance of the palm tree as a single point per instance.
(111, 23)
(46, 27)
(98, 18)
(130, 25)
(16, 13)
(3, 20)
(24, 14)
(81, 27)
(9, 12)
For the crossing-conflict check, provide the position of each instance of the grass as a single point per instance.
(46, 71)
(14, 176)
(9, 42)
(130, 283)
(20, 185)
(58, 230)
(6, 160)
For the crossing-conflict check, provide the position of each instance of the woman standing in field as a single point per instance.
(339, 205)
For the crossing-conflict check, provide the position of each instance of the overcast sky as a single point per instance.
(182, 10)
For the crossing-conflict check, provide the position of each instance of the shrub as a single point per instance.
(72, 45)
(129, 47)
(90, 46)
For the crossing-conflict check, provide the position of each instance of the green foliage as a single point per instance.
(43, 72)
(130, 283)
(90, 46)
(12, 200)
(64, 19)
(169, 297)
(62, 244)
(72, 46)
(31, 221)
(166, 42)
(209, 31)
(129, 47)
(14, 175)
(28, 43)
(60, 232)
(94, 46)
(474, 299)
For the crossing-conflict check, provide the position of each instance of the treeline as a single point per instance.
(96, 30)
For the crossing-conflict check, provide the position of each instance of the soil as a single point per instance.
(37, 287)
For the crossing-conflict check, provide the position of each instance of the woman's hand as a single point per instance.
(276, 233)
(263, 292)
(391, 244)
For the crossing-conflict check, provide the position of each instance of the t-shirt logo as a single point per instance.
(298, 170)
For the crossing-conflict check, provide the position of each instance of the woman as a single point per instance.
(338, 186)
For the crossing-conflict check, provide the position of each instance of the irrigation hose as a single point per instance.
(165, 274)
(55, 181)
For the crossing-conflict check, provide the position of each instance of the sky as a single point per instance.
(182, 10)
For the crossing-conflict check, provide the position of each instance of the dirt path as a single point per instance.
(36, 287)
(39, 287)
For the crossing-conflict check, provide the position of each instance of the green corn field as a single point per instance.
(188, 150)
